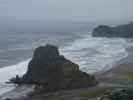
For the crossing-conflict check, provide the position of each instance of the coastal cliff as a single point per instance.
(118, 31)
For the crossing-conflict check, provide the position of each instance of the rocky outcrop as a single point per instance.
(118, 31)
(51, 71)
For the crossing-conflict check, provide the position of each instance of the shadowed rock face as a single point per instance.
(44, 66)
(53, 71)
(103, 31)
(118, 31)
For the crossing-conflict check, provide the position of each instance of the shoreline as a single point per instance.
(124, 60)
(28, 89)
(19, 68)
(18, 92)
(119, 69)
(12, 70)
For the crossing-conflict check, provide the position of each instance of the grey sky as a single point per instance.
(66, 9)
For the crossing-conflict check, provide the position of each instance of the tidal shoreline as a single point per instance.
(120, 69)
(116, 66)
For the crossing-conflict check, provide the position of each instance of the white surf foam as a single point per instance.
(93, 54)
(9, 72)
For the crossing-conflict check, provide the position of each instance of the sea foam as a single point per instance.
(94, 54)
(10, 71)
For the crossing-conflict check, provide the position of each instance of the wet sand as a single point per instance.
(120, 68)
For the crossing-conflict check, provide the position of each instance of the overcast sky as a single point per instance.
(66, 9)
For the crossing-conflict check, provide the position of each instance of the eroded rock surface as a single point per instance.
(51, 71)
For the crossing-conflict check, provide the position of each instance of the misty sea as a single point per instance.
(92, 54)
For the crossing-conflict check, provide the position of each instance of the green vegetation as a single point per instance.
(105, 94)
(94, 93)
(125, 74)
(55, 98)
(128, 76)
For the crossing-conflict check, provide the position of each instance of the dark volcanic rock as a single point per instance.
(103, 31)
(50, 70)
(44, 66)
(119, 31)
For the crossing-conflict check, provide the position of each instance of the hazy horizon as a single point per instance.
(57, 13)
(66, 9)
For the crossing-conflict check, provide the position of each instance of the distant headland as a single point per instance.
(118, 31)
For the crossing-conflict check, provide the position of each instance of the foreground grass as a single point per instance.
(94, 93)
(128, 76)
(122, 74)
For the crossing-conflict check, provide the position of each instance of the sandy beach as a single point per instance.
(120, 72)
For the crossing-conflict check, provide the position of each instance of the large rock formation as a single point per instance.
(52, 71)
(118, 31)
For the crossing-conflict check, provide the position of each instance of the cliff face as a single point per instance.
(118, 31)
(54, 72)
(45, 60)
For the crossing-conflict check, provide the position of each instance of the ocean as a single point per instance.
(91, 54)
